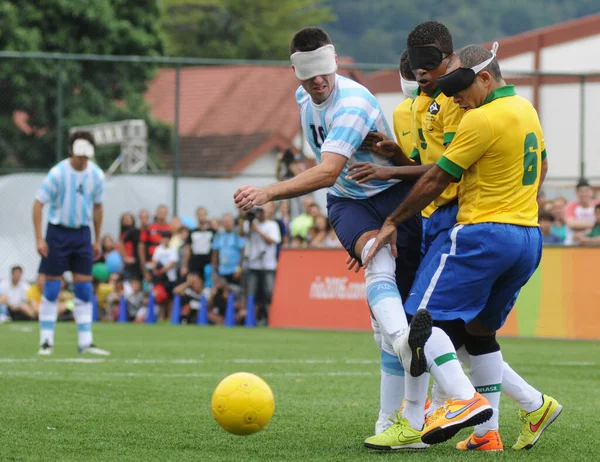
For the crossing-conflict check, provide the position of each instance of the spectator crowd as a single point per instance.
(194, 258)
(210, 258)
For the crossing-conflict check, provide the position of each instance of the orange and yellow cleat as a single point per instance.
(489, 442)
(448, 420)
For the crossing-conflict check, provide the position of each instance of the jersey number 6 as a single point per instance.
(530, 159)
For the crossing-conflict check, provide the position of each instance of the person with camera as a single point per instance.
(289, 165)
(262, 235)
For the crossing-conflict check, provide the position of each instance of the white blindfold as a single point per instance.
(83, 148)
(309, 64)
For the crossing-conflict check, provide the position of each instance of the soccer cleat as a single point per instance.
(448, 420)
(418, 334)
(535, 422)
(400, 435)
(45, 349)
(385, 420)
(94, 350)
(489, 442)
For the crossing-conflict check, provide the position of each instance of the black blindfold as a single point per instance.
(460, 79)
(427, 58)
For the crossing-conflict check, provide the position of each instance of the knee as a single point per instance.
(477, 345)
(455, 330)
(376, 332)
(51, 290)
(382, 265)
(83, 291)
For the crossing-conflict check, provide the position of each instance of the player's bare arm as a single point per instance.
(426, 190)
(323, 175)
(543, 172)
(98, 214)
(362, 172)
(380, 144)
(40, 242)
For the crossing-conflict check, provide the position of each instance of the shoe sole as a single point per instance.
(396, 448)
(440, 434)
(551, 419)
(419, 333)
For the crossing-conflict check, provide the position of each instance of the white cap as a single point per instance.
(83, 147)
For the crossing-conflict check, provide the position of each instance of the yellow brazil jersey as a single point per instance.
(498, 150)
(403, 124)
(436, 119)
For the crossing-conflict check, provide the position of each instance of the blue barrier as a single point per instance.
(95, 311)
(202, 319)
(123, 316)
(150, 315)
(230, 312)
(176, 310)
(250, 313)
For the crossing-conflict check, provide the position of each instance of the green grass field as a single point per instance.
(150, 400)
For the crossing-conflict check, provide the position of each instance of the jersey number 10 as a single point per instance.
(530, 159)
(321, 134)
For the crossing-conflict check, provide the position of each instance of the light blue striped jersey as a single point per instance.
(339, 125)
(72, 194)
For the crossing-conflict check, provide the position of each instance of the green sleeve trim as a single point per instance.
(448, 166)
(544, 154)
(448, 137)
(415, 154)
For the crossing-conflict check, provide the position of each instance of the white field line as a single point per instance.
(183, 375)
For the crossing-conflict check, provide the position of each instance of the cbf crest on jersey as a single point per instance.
(434, 108)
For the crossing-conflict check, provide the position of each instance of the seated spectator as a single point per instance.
(593, 237)
(35, 291)
(298, 242)
(579, 215)
(332, 241)
(135, 300)
(217, 305)
(113, 299)
(227, 252)
(163, 265)
(318, 233)
(66, 302)
(559, 227)
(190, 292)
(303, 222)
(13, 298)
(545, 221)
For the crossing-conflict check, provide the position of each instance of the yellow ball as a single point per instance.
(243, 403)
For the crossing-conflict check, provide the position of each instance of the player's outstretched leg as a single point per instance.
(48, 315)
(83, 317)
(392, 382)
(466, 407)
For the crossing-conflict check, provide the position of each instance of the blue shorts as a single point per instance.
(436, 230)
(68, 250)
(477, 272)
(351, 218)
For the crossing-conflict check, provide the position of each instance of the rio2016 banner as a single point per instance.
(314, 290)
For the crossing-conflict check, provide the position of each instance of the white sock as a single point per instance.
(83, 318)
(486, 376)
(513, 385)
(392, 381)
(445, 368)
(47, 315)
(415, 398)
(438, 398)
(382, 293)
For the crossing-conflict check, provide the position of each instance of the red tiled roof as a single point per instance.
(230, 115)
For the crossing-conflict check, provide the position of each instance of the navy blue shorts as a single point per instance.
(477, 272)
(68, 250)
(435, 230)
(351, 218)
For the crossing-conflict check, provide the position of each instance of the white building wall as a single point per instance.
(575, 56)
(520, 63)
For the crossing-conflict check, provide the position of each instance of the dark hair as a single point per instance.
(544, 215)
(15, 268)
(431, 32)
(81, 135)
(597, 207)
(405, 70)
(309, 39)
(472, 55)
(582, 183)
(122, 226)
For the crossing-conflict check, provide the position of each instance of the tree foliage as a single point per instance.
(93, 91)
(240, 29)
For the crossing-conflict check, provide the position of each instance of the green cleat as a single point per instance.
(535, 422)
(399, 436)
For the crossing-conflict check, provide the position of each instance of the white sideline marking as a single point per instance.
(572, 363)
(189, 361)
(186, 375)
